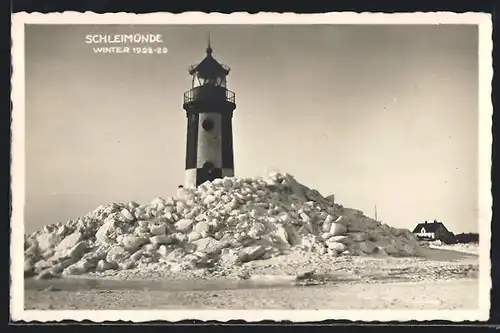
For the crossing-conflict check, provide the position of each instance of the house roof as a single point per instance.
(429, 226)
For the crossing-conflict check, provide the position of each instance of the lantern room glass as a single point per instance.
(218, 81)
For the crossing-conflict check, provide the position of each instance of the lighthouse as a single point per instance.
(209, 109)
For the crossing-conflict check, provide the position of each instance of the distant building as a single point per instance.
(433, 231)
(467, 238)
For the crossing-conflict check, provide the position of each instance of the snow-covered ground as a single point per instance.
(271, 234)
(438, 295)
(439, 279)
(467, 247)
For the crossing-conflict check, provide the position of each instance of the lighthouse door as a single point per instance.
(208, 172)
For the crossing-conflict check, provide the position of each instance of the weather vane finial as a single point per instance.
(209, 48)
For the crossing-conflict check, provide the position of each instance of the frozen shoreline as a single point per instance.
(453, 294)
(442, 279)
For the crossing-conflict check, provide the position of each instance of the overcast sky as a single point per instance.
(377, 115)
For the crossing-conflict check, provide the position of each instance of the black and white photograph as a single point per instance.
(238, 166)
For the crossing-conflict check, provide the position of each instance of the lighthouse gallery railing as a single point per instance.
(204, 93)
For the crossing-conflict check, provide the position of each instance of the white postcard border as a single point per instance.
(18, 162)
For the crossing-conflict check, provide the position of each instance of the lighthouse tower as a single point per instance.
(209, 109)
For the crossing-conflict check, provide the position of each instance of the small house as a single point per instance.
(433, 231)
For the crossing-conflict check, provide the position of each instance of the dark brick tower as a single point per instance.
(209, 109)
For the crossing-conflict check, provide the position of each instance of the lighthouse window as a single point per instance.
(207, 124)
